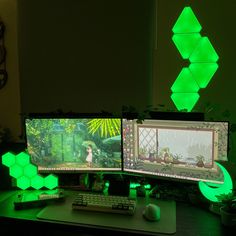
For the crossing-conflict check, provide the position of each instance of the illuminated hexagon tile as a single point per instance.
(30, 170)
(16, 171)
(23, 182)
(186, 43)
(23, 159)
(37, 182)
(185, 82)
(204, 52)
(8, 159)
(187, 22)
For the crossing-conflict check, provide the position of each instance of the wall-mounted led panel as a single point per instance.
(204, 52)
(187, 22)
(201, 55)
(185, 101)
(203, 72)
(185, 83)
(186, 43)
(26, 173)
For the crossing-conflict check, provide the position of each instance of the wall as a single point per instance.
(10, 94)
(89, 55)
(85, 56)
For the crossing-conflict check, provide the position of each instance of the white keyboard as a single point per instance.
(104, 203)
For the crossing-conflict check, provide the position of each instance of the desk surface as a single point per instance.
(190, 220)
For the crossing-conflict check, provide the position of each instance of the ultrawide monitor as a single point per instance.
(74, 144)
(183, 150)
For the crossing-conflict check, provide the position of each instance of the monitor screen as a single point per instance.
(74, 144)
(183, 150)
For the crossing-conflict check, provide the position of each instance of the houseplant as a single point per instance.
(228, 208)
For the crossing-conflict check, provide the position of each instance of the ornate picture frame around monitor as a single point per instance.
(78, 143)
(175, 149)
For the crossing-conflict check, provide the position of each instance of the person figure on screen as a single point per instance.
(89, 157)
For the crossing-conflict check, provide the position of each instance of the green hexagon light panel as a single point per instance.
(201, 55)
(26, 174)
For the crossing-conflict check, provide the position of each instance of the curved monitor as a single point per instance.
(183, 150)
(74, 144)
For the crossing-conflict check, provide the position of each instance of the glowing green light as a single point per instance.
(8, 159)
(186, 43)
(37, 182)
(185, 83)
(22, 159)
(203, 72)
(210, 192)
(187, 22)
(16, 171)
(30, 170)
(185, 101)
(204, 52)
(51, 181)
(23, 182)
(202, 57)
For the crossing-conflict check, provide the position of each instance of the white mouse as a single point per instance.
(152, 212)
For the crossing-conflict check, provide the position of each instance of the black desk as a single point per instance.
(190, 220)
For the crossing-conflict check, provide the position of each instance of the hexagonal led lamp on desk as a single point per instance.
(26, 173)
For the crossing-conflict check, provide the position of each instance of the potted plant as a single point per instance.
(228, 208)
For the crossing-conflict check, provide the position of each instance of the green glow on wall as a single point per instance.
(26, 173)
(210, 191)
(201, 55)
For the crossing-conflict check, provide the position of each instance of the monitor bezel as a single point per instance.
(130, 172)
(75, 116)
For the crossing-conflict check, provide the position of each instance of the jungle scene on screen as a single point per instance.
(67, 144)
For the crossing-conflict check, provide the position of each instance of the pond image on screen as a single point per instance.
(176, 149)
(74, 144)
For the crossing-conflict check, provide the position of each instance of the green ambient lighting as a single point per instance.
(201, 55)
(26, 173)
(210, 191)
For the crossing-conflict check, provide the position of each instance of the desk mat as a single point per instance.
(63, 213)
